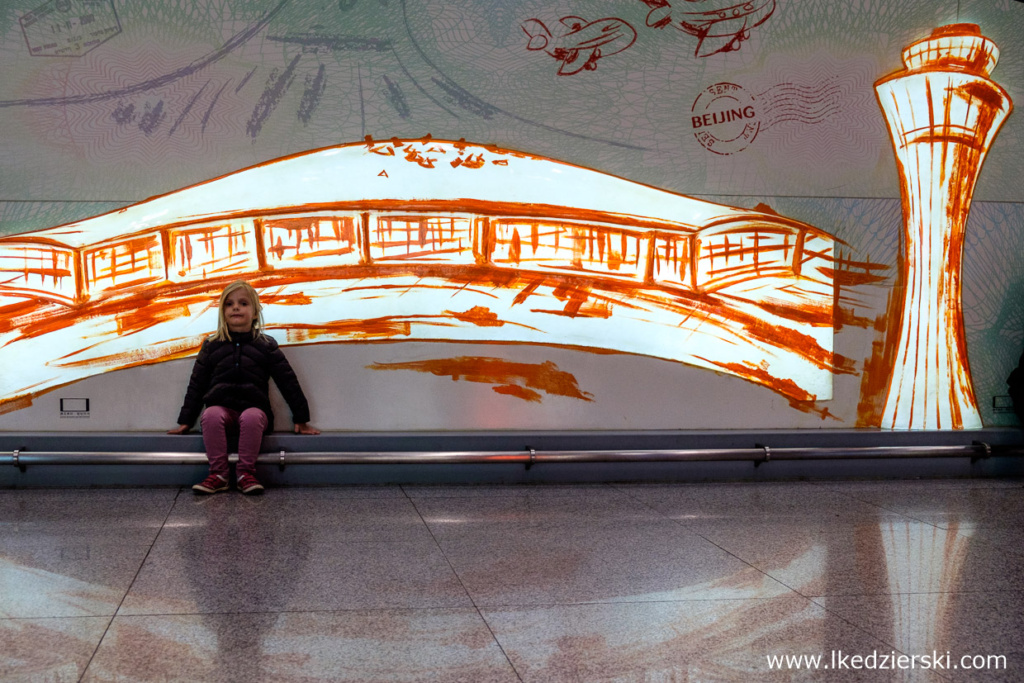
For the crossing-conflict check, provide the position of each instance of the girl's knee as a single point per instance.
(214, 415)
(253, 416)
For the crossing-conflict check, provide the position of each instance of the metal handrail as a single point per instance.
(22, 458)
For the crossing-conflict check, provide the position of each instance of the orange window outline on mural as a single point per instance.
(671, 260)
(128, 262)
(732, 256)
(422, 238)
(312, 240)
(564, 245)
(28, 267)
(199, 252)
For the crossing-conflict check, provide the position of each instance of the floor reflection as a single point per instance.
(923, 559)
(567, 583)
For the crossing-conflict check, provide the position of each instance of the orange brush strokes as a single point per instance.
(13, 315)
(51, 317)
(595, 308)
(850, 279)
(847, 317)
(874, 385)
(816, 315)
(481, 316)
(785, 387)
(285, 299)
(141, 318)
(372, 328)
(798, 398)
(136, 357)
(578, 293)
(522, 380)
(849, 274)
(15, 404)
(518, 392)
(791, 339)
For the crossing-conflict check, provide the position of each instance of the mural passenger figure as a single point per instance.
(231, 378)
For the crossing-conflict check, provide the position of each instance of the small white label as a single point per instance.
(74, 407)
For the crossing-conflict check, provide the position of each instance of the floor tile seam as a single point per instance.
(810, 522)
(485, 606)
(405, 494)
(469, 595)
(864, 594)
(506, 497)
(501, 647)
(70, 616)
(766, 573)
(327, 521)
(332, 544)
(298, 493)
(732, 554)
(895, 512)
(863, 630)
(73, 529)
(595, 531)
(921, 521)
(103, 636)
(340, 610)
(39, 544)
(728, 552)
(653, 509)
(659, 514)
(964, 496)
(870, 503)
(998, 591)
(680, 601)
(760, 514)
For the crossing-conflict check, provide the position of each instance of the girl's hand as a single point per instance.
(180, 429)
(304, 428)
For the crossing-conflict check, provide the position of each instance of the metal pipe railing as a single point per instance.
(22, 458)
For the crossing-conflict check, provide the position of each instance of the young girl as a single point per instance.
(231, 377)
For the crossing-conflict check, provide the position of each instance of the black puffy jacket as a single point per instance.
(236, 374)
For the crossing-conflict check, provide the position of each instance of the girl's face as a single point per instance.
(238, 311)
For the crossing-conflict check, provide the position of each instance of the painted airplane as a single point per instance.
(583, 45)
(718, 30)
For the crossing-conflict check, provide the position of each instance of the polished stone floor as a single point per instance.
(631, 582)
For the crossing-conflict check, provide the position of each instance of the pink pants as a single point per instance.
(216, 422)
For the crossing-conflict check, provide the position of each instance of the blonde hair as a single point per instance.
(223, 333)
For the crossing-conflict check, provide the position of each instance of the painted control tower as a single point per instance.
(943, 113)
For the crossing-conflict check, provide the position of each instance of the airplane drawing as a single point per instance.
(722, 29)
(583, 44)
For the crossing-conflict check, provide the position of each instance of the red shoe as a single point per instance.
(212, 484)
(248, 484)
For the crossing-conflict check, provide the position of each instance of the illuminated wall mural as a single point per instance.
(943, 113)
(460, 214)
(425, 239)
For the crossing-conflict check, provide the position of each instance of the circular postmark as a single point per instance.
(724, 118)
